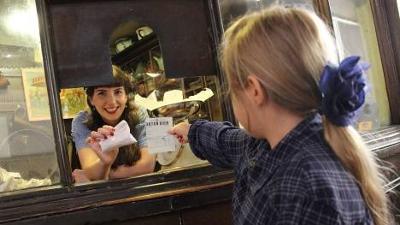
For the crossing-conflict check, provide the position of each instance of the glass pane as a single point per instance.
(295, 3)
(398, 6)
(134, 48)
(27, 148)
(183, 99)
(231, 9)
(355, 35)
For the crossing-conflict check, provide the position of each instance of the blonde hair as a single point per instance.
(287, 49)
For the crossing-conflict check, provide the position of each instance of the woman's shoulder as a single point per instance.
(81, 117)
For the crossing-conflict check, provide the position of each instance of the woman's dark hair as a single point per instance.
(127, 155)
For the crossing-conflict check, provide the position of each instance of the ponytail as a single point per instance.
(362, 164)
(343, 93)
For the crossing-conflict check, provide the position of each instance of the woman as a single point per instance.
(299, 160)
(108, 105)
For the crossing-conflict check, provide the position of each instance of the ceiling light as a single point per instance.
(23, 22)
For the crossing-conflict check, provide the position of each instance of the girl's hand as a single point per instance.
(94, 142)
(181, 131)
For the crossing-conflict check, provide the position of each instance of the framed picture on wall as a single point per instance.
(36, 97)
(73, 100)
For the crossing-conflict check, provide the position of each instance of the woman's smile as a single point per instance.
(110, 103)
(111, 110)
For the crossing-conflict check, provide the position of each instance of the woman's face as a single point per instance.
(109, 102)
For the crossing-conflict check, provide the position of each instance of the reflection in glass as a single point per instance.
(27, 148)
(135, 48)
(398, 6)
(180, 98)
(355, 35)
(232, 9)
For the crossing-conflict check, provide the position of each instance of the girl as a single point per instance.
(299, 160)
(108, 106)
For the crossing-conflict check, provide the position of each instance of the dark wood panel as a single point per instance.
(114, 214)
(167, 219)
(217, 27)
(169, 191)
(82, 30)
(130, 211)
(54, 98)
(215, 214)
(323, 10)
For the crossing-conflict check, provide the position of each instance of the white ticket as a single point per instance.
(158, 138)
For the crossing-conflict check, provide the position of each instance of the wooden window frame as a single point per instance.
(174, 191)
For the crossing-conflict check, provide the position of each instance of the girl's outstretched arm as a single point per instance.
(221, 143)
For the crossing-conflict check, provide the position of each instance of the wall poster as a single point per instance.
(72, 100)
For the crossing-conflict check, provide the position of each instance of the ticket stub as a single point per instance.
(158, 138)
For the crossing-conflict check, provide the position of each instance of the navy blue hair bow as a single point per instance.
(343, 90)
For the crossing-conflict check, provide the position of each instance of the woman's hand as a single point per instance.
(94, 139)
(181, 131)
(79, 176)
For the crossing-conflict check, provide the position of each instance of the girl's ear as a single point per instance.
(255, 90)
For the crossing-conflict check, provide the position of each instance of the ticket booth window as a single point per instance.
(27, 148)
